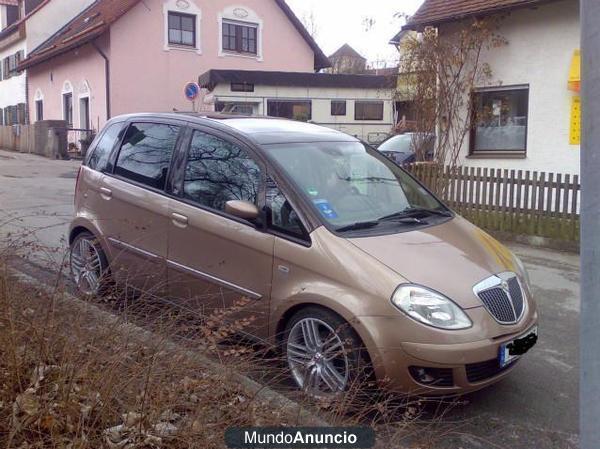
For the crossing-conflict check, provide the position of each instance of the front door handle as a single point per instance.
(179, 220)
(106, 193)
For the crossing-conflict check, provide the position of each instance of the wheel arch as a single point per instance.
(353, 321)
(81, 225)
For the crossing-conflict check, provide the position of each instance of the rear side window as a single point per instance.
(218, 171)
(100, 155)
(146, 153)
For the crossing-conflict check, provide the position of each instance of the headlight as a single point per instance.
(430, 308)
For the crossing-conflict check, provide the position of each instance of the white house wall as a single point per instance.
(371, 131)
(51, 18)
(540, 48)
(13, 90)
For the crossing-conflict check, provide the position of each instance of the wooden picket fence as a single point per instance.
(512, 201)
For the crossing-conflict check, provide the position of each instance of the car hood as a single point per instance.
(450, 258)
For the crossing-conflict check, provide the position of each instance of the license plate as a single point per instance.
(513, 350)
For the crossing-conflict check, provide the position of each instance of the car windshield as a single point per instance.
(351, 184)
(398, 144)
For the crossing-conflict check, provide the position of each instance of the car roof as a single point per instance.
(262, 130)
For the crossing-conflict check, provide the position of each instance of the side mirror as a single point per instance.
(242, 209)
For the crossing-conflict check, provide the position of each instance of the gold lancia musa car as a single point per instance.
(343, 259)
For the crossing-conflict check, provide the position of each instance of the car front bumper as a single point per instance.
(462, 367)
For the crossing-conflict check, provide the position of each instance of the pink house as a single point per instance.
(121, 56)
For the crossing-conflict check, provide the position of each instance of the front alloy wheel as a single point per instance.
(317, 358)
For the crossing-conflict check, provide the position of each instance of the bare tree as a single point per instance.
(440, 68)
(309, 20)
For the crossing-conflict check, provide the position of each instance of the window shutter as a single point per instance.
(21, 113)
(1, 116)
(18, 58)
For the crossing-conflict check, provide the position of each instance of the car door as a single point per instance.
(215, 259)
(134, 209)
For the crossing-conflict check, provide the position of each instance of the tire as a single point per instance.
(324, 355)
(89, 266)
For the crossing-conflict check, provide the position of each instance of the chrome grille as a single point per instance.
(498, 303)
(503, 297)
(517, 296)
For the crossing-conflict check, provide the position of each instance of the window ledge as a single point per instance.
(492, 155)
(186, 48)
(240, 55)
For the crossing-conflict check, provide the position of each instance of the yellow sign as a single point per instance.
(575, 72)
(575, 134)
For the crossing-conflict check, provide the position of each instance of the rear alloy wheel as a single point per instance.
(322, 351)
(89, 267)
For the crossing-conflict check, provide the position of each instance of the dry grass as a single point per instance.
(76, 373)
(71, 378)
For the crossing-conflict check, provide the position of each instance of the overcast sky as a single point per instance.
(341, 21)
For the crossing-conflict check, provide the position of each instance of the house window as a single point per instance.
(68, 109)
(84, 113)
(39, 110)
(292, 109)
(240, 38)
(500, 118)
(368, 110)
(242, 87)
(338, 107)
(234, 108)
(182, 29)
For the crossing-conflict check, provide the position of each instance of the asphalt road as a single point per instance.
(535, 407)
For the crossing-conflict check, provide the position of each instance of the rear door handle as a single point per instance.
(106, 193)
(179, 220)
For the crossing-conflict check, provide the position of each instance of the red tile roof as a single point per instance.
(97, 18)
(434, 12)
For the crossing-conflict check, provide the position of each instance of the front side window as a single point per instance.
(368, 110)
(295, 110)
(101, 153)
(218, 171)
(350, 183)
(146, 152)
(68, 109)
(500, 119)
(182, 29)
(240, 38)
(282, 216)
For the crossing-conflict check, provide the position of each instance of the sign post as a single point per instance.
(191, 92)
(589, 398)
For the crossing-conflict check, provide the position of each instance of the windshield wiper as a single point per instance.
(408, 212)
(358, 226)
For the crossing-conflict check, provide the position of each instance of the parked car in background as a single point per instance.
(349, 265)
(401, 148)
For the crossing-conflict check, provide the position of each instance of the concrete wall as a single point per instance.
(540, 48)
(46, 138)
(370, 131)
